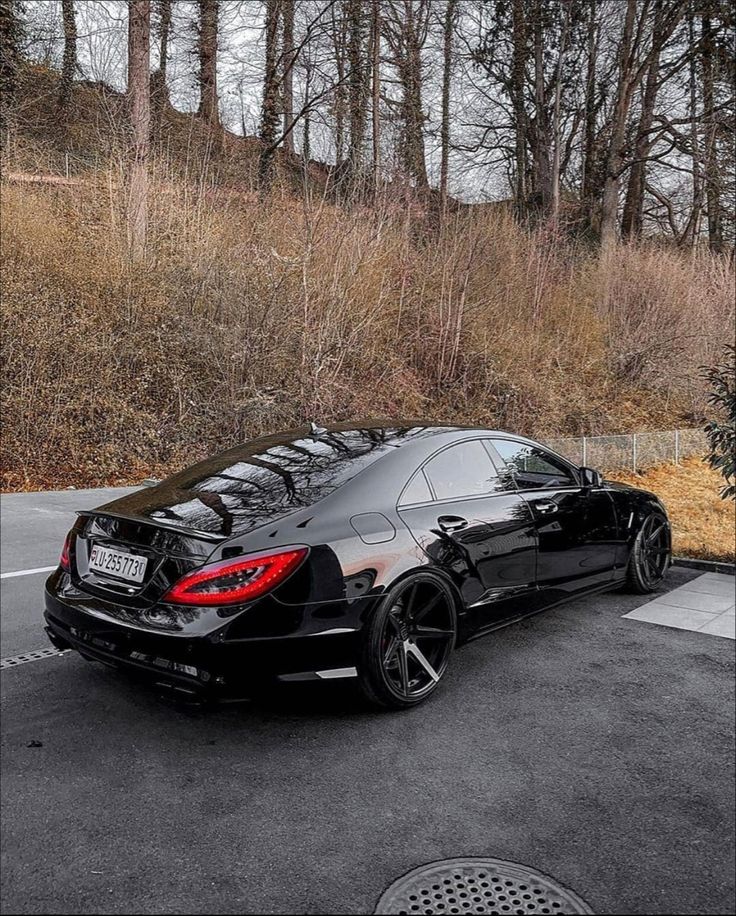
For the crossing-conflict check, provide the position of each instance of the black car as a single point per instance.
(366, 550)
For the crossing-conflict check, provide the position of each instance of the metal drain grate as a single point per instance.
(12, 661)
(478, 886)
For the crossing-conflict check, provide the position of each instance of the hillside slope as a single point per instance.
(95, 135)
(251, 314)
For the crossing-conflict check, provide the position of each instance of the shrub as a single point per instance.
(252, 315)
(721, 430)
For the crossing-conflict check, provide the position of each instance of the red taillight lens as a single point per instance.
(235, 581)
(65, 559)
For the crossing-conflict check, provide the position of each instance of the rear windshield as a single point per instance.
(260, 481)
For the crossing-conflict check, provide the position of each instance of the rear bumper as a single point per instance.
(207, 666)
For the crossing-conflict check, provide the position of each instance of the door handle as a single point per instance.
(452, 522)
(545, 506)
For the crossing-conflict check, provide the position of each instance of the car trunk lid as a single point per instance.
(168, 554)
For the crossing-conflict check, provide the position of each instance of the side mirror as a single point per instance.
(591, 477)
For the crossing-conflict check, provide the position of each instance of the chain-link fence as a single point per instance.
(633, 451)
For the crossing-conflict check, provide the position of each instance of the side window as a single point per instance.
(462, 470)
(417, 491)
(532, 468)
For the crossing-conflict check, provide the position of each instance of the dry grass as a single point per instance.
(703, 525)
(255, 314)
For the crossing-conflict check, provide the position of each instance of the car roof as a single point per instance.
(267, 478)
(402, 431)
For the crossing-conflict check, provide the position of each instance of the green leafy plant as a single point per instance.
(721, 431)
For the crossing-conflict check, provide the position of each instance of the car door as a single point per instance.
(576, 525)
(464, 519)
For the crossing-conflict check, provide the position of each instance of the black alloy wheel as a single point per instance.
(650, 556)
(408, 642)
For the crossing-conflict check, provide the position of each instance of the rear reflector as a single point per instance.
(65, 559)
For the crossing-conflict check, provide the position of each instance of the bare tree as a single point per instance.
(589, 132)
(288, 58)
(375, 90)
(631, 223)
(139, 97)
(715, 226)
(449, 28)
(520, 55)
(405, 28)
(357, 89)
(556, 118)
(160, 93)
(633, 65)
(338, 34)
(11, 34)
(540, 134)
(692, 229)
(207, 51)
(270, 104)
(69, 60)
(307, 128)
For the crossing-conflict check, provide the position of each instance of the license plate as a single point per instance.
(115, 563)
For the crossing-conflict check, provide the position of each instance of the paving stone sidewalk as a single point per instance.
(706, 605)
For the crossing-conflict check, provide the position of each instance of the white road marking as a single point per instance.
(27, 572)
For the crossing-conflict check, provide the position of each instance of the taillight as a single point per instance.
(65, 559)
(235, 581)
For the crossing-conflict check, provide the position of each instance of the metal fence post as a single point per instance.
(633, 452)
(585, 451)
(677, 446)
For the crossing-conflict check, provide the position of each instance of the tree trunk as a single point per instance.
(307, 132)
(287, 79)
(557, 127)
(139, 91)
(69, 61)
(10, 39)
(159, 87)
(357, 96)
(165, 29)
(631, 72)
(632, 219)
(692, 229)
(589, 139)
(518, 79)
(446, 80)
(410, 75)
(614, 159)
(207, 50)
(376, 90)
(338, 40)
(541, 145)
(712, 177)
(270, 105)
(164, 25)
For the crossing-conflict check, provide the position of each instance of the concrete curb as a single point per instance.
(728, 569)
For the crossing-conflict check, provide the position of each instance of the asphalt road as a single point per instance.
(596, 749)
(32, 531)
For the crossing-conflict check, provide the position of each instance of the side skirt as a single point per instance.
(508, 621)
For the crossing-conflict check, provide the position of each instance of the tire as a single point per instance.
(407, 643)
(650, 555)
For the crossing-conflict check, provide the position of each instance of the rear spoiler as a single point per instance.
(154, 523)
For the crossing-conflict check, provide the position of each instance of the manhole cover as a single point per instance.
(478, 886)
